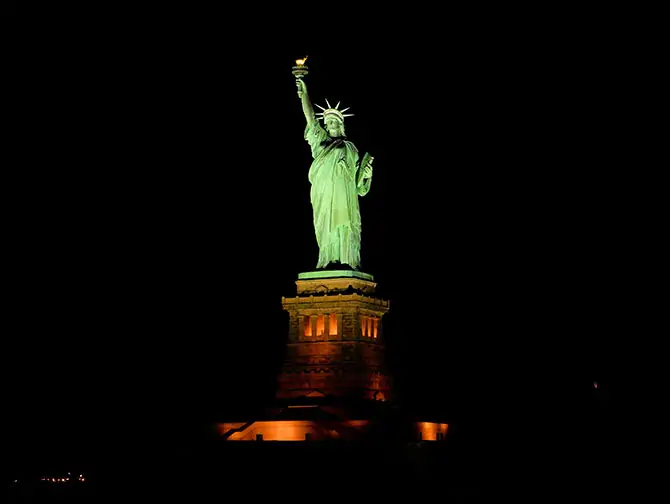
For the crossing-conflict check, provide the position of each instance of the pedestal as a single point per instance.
(333, 383)
(336, 338)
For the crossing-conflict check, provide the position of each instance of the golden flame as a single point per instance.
(301, 62)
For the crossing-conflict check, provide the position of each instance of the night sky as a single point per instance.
(167, 212)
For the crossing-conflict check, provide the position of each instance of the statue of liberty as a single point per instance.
(338, 177)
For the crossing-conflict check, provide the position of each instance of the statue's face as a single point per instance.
(334, 127)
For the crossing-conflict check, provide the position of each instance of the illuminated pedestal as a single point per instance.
(336, 343)
(333, 383)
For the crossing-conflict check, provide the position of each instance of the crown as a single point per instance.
(332, 111)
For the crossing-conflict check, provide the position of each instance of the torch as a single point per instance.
(300, 69)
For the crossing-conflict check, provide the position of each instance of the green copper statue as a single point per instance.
(338, 177)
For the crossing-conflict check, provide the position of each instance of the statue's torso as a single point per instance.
(333, 157)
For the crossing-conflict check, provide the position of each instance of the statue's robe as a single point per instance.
(334, 196)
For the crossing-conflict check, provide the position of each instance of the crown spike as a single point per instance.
(344, 109)
(320, 106)
(338, 104)
(328, 103)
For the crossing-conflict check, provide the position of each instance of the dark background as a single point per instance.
(165, 211)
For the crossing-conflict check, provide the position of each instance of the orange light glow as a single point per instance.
(332, 325)
(301, 62)
(430, 430)
(283, 430)
(289, 430)
(364, 325)
(320, 325)
(357, 423)
(308, 325)
(375, 326)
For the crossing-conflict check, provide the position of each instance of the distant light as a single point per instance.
(595, 385)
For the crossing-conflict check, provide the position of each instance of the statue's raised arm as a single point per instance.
(306, 103)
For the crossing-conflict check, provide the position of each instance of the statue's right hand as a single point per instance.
(302, 88)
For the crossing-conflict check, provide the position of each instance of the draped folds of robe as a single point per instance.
(334, 196)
